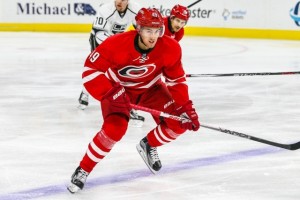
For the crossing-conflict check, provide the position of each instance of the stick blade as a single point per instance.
(295, 146)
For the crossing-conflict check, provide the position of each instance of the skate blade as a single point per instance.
(136, 123)
(73, 188)
(141, 152)
(81, 107)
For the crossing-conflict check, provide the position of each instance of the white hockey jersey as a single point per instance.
(109, 21)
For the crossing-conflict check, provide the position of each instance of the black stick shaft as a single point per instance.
(193, 3)
(294, 146)
(244, 74)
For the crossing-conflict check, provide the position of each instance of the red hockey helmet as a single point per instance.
(180, 12)
(149, 17)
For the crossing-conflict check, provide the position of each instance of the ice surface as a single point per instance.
(44, 135)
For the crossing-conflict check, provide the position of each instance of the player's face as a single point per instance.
(121, 5)
(149, 37)
(177, 24)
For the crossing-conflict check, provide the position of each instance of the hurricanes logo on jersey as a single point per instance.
(135, 72)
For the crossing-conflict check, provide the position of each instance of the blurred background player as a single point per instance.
(174, 24)
(128, 68)
(112, 18)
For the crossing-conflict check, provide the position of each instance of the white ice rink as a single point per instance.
(44, 135)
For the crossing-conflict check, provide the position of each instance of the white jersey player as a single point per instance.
(112, 18)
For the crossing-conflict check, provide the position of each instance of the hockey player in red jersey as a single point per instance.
(176, 21)
(127, 69)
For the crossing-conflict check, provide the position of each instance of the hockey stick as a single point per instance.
(244, 74)
(294, 146)
(193, 3)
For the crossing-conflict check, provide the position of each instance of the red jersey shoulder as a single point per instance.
(169, 44)
(116, 48)
(168, 50)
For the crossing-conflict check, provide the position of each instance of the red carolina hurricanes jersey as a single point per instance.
(175, 35)
(118, 59)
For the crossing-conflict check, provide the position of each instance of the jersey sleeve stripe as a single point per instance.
(180, 79)
(85, 69)
(91, 76)
(173, 84)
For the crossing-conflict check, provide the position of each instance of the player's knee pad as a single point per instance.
(174, 126)
(115, 126)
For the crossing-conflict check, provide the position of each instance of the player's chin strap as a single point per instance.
(157, 113)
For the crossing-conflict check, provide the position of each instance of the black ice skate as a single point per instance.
(135, 119)
(83, 100)
(149, 155)
(78, 179)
